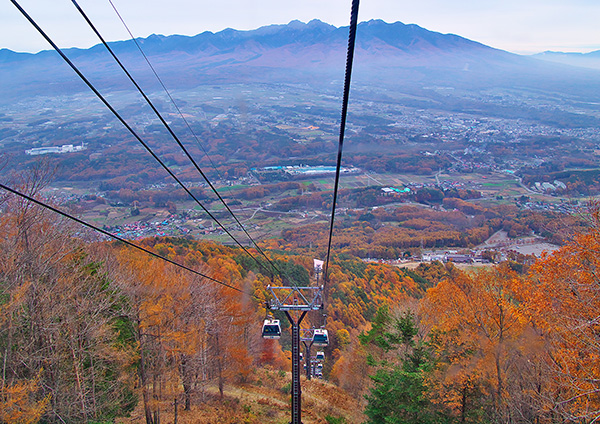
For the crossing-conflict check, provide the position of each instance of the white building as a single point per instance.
(65, 148)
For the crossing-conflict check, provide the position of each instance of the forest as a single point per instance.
(92, 331)
(392, 231)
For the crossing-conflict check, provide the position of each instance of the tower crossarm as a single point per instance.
(296, 298)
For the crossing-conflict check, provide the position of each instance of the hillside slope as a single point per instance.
(267, 400)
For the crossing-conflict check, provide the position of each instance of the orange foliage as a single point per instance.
(563, 300)
(476, 327)
(17, 404)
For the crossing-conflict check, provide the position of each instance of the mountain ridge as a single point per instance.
(314, 28)
(387, 54)
(585, 60)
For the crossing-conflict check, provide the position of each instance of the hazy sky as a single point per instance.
(520, 26)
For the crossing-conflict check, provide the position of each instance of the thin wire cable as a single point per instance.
(165, 88)
(131, 130)
(122, 240)
(164, 122)
(349, 60)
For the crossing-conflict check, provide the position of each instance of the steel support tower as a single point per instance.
(296, 302)
(306, 339)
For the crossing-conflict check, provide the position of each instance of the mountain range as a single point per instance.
(584, 60)
(405, 57)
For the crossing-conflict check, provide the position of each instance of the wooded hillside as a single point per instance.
(91, 330)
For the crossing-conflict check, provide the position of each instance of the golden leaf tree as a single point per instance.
(564, 303)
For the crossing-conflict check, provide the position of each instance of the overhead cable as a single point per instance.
(132, 131)
(122, 240)
(347, 78)
(165, 89)
(164, 122)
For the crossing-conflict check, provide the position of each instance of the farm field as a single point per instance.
(259, 216)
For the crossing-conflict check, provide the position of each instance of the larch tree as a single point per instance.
(59, 336)
(564, 304)
(476, 327)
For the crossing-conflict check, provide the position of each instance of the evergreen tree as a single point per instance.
(399, 394)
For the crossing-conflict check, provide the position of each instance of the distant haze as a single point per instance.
(394, 56)
(518, 26)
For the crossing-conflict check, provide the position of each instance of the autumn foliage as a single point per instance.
(91, 330)
(498, 346)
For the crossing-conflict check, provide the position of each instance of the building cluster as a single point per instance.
(567, 208)
(454, 257)
(292, 171)
(65, 148)
(550, 186)
(393, 191)
(171, 226)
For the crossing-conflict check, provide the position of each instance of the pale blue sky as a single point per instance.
(520, 26)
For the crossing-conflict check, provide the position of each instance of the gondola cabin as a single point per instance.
(271, 329)
(320, 356)
(320, 337)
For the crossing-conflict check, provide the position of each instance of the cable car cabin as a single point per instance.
(271, 329)
(320, 337)
(320, 356)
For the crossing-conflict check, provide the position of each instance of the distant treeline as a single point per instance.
(390, 232)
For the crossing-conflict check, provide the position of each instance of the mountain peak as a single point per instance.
(315, 23)
(296, 50)
(295, 24)
(379, 22)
